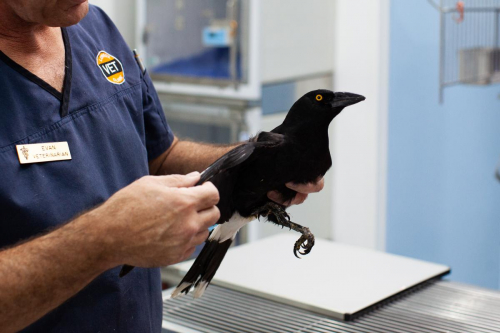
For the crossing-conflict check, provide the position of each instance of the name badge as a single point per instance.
(43, 152)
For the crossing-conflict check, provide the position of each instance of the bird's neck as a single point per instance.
(307, 127)
(310, 134)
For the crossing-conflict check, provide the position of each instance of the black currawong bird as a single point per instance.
(296, 151)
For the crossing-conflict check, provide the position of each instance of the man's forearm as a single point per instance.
(39, 275)
(184, 157)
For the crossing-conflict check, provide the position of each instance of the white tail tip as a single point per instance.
(180, 288)
(200, 289)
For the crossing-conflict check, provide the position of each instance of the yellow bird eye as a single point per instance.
(319, 98)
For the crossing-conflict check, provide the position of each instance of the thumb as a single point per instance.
(180, 180)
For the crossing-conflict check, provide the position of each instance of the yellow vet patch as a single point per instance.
(111, 67)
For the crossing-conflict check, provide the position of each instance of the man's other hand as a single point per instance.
(158, 220)
(302, 192)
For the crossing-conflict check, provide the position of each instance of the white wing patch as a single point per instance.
(228, 230)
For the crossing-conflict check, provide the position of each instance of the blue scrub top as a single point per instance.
(112, 131)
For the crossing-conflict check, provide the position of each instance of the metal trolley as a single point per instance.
(436, 306)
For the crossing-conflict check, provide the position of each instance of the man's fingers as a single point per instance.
(308, 187)
(301, 189)
(209, 217)
(206, 195)
(276, 197)
(200, 237)
(188, 253)
(179, 180)
(298, 199)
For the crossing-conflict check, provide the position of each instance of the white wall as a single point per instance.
(360, 133)
(122, 12)
(290, 30)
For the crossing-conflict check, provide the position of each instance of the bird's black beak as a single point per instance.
(343, 99)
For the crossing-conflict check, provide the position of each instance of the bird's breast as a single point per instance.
(274, 168)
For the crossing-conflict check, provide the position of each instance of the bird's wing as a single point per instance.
(229, 160)
(270, 139)
(240, 154)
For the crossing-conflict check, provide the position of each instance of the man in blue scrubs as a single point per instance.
(68, 224)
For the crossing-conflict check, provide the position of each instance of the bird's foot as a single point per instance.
(306, 242)
(276, 214)
(272, 208)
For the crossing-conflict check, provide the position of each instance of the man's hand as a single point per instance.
(158, 221)
(153, 221)
(302, 191)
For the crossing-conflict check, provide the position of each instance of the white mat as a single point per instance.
(334, 279)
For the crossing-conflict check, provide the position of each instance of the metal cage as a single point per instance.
(197, 42)
(469, 42)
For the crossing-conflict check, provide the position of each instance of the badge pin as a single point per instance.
(43, 152)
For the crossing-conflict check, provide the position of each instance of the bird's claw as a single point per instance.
(305, 242)
(276, 213)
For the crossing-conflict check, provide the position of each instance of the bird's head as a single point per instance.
(322, 105)
(328, 103)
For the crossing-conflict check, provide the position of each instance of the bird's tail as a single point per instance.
(205, 266)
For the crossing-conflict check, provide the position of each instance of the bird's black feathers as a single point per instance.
(240, 154)
(295, 151)
(227, 161)
(205, 265)
(225, 172)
